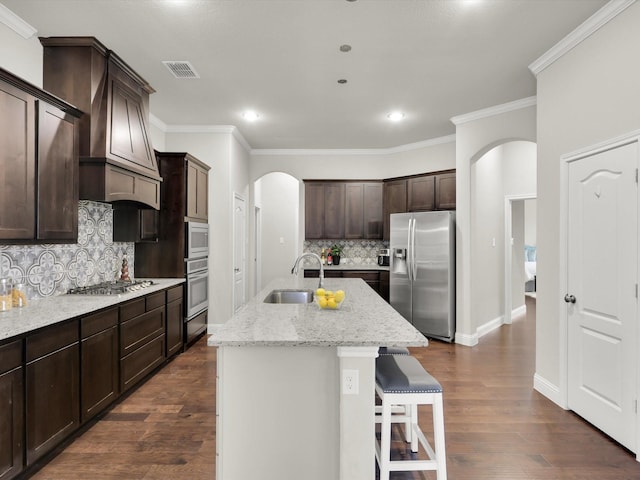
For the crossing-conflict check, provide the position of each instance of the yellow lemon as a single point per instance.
(328, 293)
(339, 296)
(322, 302)
(320, 292)
(331, 303)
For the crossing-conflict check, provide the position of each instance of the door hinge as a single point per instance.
(636, 290)
(635, 406)
(636, 175)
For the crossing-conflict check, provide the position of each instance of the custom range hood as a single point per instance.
(117, 161)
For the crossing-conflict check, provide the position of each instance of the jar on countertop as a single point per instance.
(6, 299)
(19, 295)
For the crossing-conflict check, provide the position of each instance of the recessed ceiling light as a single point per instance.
(342, 81)
(395, 116)
(250, 116)
(345, 48)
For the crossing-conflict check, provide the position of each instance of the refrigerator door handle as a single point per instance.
(414, 272)
(409, 250)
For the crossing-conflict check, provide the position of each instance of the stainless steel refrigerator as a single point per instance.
(422, 271)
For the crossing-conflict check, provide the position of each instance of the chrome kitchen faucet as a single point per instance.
(294, 270)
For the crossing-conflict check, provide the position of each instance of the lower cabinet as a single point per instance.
(384, 284)
(52, 388)
(175, 320)
(98, 362)
(371, 277)
(11, 410)
(142, 338)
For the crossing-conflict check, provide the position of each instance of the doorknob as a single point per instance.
(237, 270)
(569, 298)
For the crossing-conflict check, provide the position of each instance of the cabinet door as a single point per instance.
(99, 361)
(373, 210)
(446, 191)
(334, 210)
(53, 400)
(421, 193)
(197, 191)
(174, 326)
(17, 163)
(314, 210)
(384, 284)
(11, 410)
(395, 201)
(354, 211)
(58, 169)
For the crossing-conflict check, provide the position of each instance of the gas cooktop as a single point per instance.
(111, 288)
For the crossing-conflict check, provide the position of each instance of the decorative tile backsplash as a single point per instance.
(52, 269)
(354, 252)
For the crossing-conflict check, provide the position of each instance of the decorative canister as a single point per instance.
(19, 295)
(6, 300)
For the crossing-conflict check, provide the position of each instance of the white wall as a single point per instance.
(505, 170)
(530, 228)
(517, 254)
(279, 193)
(589, 95)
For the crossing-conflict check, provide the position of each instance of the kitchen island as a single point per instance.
(295, 393)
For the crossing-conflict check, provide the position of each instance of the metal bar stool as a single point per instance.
(402, 382)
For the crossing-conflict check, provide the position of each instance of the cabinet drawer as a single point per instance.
(138, 364)
(98, 322)
(138, 331)
(11, 355)
(51, 339)
(174, 294)
(132, 309)
(155, 300)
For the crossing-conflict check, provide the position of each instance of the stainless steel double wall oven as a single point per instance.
(197, 278)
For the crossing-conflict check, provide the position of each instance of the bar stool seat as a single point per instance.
(402, 384)
(393, 351)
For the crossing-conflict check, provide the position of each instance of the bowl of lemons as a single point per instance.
(329, 299)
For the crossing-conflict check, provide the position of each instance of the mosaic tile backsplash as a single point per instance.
(52, 269)
(354, 252)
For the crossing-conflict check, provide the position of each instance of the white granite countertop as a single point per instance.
(43, 312)
(364, 319)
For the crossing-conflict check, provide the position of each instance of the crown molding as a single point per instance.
(16, 23)
(495, 110)
(352, 151)
(582, 32)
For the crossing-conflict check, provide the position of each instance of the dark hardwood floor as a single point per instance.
(497, 426)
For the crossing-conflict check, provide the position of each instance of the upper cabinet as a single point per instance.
(39, 161)
(197, 189)
(343, 210)
(418, 193)
(116, 157)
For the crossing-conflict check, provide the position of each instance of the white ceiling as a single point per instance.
(432, 59)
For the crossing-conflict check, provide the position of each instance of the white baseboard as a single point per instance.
(490, 326)
(549, 390)
(516, 312)
(466, 340)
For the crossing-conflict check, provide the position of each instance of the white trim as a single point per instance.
(521, 310)
(466, 340)
(353, 151)
(15, 23)
(549, 390)
(581, 33)
(358, 352)
(156, 122)
(228, 129)
(490, 326)
(495, 110)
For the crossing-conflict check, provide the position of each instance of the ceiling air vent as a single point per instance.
(181, 69)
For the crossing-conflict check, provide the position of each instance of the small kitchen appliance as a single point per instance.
(383, 257)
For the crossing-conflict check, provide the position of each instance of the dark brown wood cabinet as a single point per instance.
(363, 210)
(11, 410)
(39, 161)
(116, 157)
(197, 189)
(175, 309)
(132, 224)
(445, 191)
(384, 284)
(52, 388)
(98, 362)
(421, 193)
(314, 210)
(142, 338)
(334, 210)
(371, 277)
(395, 201)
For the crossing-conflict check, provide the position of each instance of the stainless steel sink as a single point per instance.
(289, 296)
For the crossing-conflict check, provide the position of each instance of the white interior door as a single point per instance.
(239, 252)
(602, 299)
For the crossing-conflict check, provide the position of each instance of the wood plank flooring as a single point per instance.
(497, 426)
